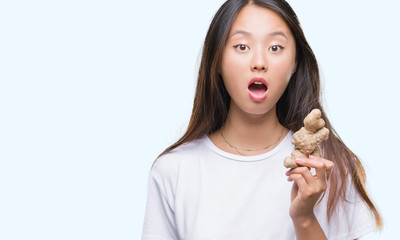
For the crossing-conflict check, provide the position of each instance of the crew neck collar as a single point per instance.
(259, 157)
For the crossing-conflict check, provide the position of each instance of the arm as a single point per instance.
(306, 191)
(308, 228)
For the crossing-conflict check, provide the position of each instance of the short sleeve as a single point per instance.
(354, 218)
(159, 221)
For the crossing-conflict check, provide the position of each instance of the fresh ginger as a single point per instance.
(306, 140)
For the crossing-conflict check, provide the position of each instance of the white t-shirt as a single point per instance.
(199, 192)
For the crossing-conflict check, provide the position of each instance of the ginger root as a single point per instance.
(306, 140)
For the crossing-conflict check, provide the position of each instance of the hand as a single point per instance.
(308, 188)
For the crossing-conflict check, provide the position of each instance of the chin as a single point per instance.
(259, 110)
(252, 108)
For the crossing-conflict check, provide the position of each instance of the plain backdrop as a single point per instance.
(92, 91)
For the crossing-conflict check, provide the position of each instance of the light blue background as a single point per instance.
(92, 91)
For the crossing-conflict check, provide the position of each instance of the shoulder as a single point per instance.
(168, 164)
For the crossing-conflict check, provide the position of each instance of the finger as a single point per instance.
(322, 166)
(300, 181)
(304, 171)
(315, 183)
(328, 165)
(313, 163)
(310, 162)
(319, 181)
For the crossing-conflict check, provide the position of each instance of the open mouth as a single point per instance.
(258, 89)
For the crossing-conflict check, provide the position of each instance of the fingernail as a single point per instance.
(299, 160)
(312, 156)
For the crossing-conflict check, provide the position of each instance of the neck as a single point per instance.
(246, 131)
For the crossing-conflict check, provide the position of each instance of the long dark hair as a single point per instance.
(211, 101)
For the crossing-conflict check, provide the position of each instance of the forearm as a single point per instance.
(308, 229)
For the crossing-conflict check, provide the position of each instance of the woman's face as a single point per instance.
(258, 60)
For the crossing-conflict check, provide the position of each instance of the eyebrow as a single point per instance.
(276, 33)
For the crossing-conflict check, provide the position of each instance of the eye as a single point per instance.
(241, 47)
(275, 48)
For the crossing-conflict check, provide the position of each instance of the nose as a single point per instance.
(259, 62)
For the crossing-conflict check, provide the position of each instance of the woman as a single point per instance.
(224, 178)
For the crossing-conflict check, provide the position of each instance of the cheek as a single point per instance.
(232, 72)
(232, 63)
(285, 69)
(230, 82)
